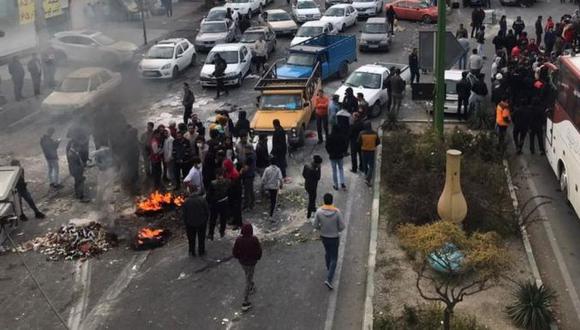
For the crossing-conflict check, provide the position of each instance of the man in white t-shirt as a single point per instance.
(194, 179)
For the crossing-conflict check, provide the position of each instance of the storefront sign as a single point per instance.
(26, 9)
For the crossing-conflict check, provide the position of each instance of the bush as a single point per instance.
(424, 317)
(533, 306)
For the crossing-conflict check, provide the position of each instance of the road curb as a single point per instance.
(368, 318)
(525, 235)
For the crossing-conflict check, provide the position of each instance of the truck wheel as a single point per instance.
(301, 137)
(376, 110)
(343, 72)
(427, 19)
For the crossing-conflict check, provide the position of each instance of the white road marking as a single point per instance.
(82, 282)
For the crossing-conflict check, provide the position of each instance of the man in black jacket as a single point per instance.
(35, 73)
(181, 154)
(355, 153)
(537, 122)
(518, 26)
(195, 214)
(336, 146)
(539, 30)
(463, 89)
(188, 100)
(279, 146)
(390, 13)
(414, 65)
(311, 175)
(220, 66)
(477, 17)
(17, 73)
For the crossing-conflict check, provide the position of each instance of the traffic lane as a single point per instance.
(538, 179)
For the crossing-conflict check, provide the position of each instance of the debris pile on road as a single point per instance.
(71, 242)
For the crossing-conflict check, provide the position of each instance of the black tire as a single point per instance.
(240, 81)
(426, 19)
(343, 71)
(341, 28)
(301, 137)
(375, 110)
(175, 72)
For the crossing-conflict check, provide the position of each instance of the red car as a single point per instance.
(414, 10)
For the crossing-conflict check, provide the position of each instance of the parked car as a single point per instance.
(219, 14)
(473, 3)
(375, 34)
(341, 16)
(330, 3)
(306, 10)
(414, 10)
(366, 8)
(213, 33)
(92, 47)
(312, 29)
(245, 7)
(281, 22)
(252, 34)
(238, 58)
(371, 80)
(82, 89)
(167, 58)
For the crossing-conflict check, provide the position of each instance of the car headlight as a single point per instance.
(166, 66)
(363, 42)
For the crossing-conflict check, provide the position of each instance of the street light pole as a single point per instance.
(142, 7)
(440, 67)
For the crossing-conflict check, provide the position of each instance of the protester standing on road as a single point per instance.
(279, 146)
(242, 125)
(181, 154)
(518, 26)
(414, 66)
(50, 150)
(220, 66)
(49, 65)
(217, 197)
(34, 68)
(478, 95)
(350, 103)
(398, 88)
(462, 63)
(520, 117)
(333, 109)
(272, 181)
(502, 121)
(476, 20)
(480, 39)
(537, 122)
(321, 105)
(539, 30)
(461, 32)
(248, 251)
(261, 50)
(168, 160)
(463, 90)
(76, 167)
(368, 140)
(328, 220)
(390, 13)
(503, 25)
(187, 102)
(363, 105)
(22, 189)
(262, 155)
(194, 179)
(168, 5)
(311, 175)
(234, 193)
(248, 174)
(156, 158)
(17, 74)
(475, 62)
(355, 153)
(195, 214)
(336, 146)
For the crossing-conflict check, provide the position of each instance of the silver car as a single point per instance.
(375, 34)
(213, 33)
(251, 35)
(92, 47)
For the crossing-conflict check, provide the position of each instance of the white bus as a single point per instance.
(562, 140)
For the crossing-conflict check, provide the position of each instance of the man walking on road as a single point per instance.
(188, 100)
(355, 154)
(279, 146)
(321, 105)
(17, 73)
(336, 146)
(368, 140)
(311, 175)
(463, 90)
(328, 220)
(390, 13)
(23, 192)
(50, 150)
(248, 251)
(475, 63)
(195, 214)
(398, 87)
(76, 167)
(35, 73)
(414, 65)
(272, 181)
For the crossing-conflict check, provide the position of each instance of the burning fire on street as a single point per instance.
(150, 238)
(158, 202)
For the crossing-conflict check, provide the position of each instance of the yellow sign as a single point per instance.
(26, 10)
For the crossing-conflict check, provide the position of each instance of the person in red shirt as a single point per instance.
(515, 52)
(320, 102)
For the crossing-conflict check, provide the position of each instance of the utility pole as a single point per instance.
(440, 67)
(142, 7)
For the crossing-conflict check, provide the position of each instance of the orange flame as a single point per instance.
(156, 201)
(148, 233)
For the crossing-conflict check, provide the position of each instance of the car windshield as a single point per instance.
(251, 36)
(334, 12)
(74, 85)
(277, 17)
(364, 79)
(213, 27)
(103, 39)
(305, 5)
(216, 15)
(301, 59)
(160, 53)
(240, 1)
(375, 28)
(309, 31)
(231, 57)
(281, 102)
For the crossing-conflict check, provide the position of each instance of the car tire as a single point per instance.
(240, 81)
(426, 19)
(375, 110)
(174, 72)
(343, 71)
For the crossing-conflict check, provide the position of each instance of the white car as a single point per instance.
(167, 58)
(85, 88)
(245, 7)
(238, 58)
(281, 22)
(305, 10)
(219, 14)
(367, 8)
(371, 81)
(312, 29)
(341, 16)
(92, 47)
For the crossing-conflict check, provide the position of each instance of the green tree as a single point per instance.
(484, 259)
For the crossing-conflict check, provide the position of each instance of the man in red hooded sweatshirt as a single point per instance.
(248, 251)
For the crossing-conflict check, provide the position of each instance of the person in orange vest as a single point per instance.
(320, 102)
(502, 121)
